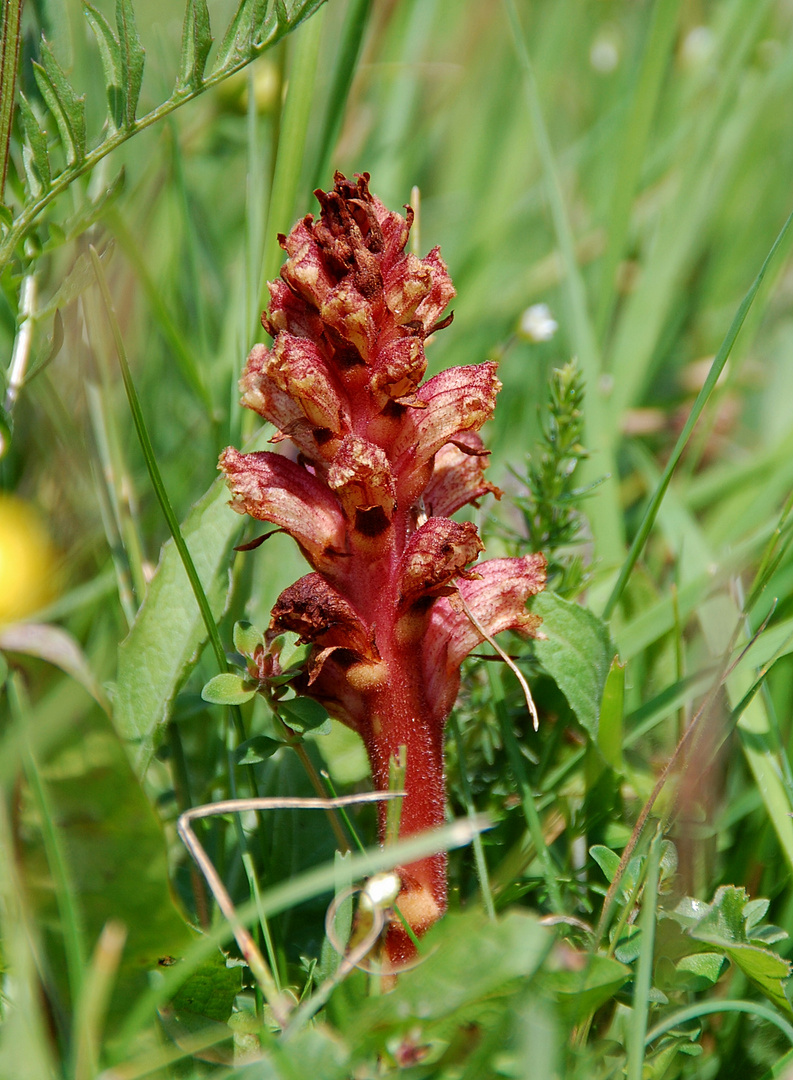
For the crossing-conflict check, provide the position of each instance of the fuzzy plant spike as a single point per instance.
(376, 463)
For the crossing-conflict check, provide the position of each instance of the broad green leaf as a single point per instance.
(57, 647)
(612, 710)
(196, 43)
(579, 993)
(132, 58)
(316, 1052)
(257, 749)
(466, 958)
(168, 633)
(228, 689)
(35, 156)
(112, 65)
(67, 108)
(304, 714)
(576, 654)
(114, 855)
(210, 991)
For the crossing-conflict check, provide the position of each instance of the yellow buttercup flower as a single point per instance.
(27, 560)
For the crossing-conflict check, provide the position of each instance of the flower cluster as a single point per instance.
(379, 462)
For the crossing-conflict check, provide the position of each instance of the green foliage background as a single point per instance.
(628, 164)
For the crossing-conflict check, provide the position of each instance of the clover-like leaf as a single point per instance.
(257, 749)
(305, 714)
(247, 638)
(228, 689)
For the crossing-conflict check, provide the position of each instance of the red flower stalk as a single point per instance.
(382, 462)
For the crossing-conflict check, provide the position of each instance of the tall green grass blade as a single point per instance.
(650, 514)
(550, 873)
(356, 20)
(604, 512)
(644, 969)
(63, 879)
(479, 851)
(291, 147)
(643, 95)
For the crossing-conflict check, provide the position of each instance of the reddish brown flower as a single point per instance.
(383, 460)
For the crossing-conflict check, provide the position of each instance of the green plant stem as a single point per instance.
(650, 514)
(153, 468)
(706, 1008)
(9, 64)
(479, 851)
(62, 182)
(644, 968)
(526, 795)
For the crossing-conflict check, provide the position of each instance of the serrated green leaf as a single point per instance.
(132, 59)
(766, 970)
(576, 654)
(168, 633)
(754, 912)
(66, 107)
(247, 638)
(723, 920)
(303, 714)
(196, 43)
(210, 991)
(112, 65)
(257, 749)
(227, 689)
(35, 155)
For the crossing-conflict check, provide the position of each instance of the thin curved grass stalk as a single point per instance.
(248, 947)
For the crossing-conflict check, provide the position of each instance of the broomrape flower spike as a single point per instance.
(379, 462)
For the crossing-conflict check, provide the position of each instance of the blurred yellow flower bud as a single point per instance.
(28, 561)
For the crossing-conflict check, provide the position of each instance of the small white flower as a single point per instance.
(537, 323)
